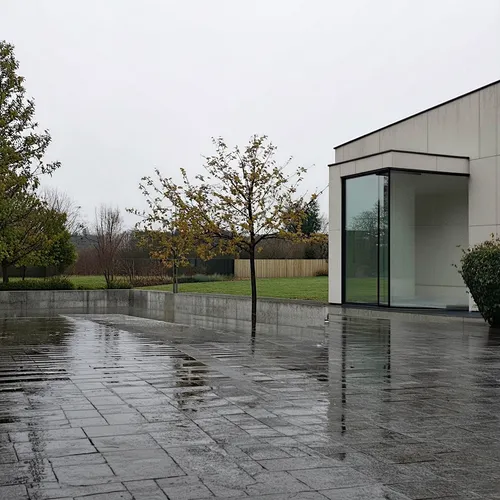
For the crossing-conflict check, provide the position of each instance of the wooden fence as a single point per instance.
(280, 268)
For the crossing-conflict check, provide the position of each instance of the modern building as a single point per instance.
(407, 198)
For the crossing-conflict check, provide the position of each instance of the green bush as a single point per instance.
(119, 284)
(139, 281)
(480, 270)
(55, 283)
(321, 272)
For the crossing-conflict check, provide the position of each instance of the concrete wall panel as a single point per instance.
(454, 128)
(348, 168)
(408, 135)
(498, 118)
(478, 234)
(483, 192)
(488, 110)
(413, 161)
(335, 267)
(334, 199)
(366, 146)
(370, 163)
(452, 165)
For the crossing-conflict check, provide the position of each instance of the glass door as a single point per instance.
(366, 239)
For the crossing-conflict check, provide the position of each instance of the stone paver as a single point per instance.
(116, 407)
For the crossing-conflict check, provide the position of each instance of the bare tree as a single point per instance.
(108, 240)
(62, 203)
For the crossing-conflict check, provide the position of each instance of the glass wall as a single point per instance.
(413, 262)
(429, 224)
(366, 239)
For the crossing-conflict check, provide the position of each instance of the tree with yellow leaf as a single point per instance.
(161, 229)
(243, 198)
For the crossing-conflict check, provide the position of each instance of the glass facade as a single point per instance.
(402, 236)
(366, 239)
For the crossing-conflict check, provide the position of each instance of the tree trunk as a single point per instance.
(24, 272)
(175, 284)
(107, 279)
(253, 281)
(5, 273)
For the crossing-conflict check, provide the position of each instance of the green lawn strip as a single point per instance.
(309, 288)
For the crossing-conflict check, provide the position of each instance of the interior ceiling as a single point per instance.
(436, 183)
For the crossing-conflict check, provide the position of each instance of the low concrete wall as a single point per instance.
(41, 302)
(211, 311)
(225, 312)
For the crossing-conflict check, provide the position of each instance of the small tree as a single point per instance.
(61, 252)
(31, 240)
(161, 229)
(311, 222)
(242, 200)
(107, 239)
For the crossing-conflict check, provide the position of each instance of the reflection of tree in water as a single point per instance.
(364, 345)
(189, 373)
(28, 332)
(33, 352)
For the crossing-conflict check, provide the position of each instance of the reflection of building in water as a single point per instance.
(359, 356)
(190, 383)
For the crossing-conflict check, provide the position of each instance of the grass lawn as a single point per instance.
(310, 288)
(90, 282)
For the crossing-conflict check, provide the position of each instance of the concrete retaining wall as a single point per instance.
(41, 302)
(225, 312)
(212, 311)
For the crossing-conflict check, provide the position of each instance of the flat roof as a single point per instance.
(419, 113)
(404, 151)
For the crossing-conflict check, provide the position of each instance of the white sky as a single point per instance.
(126, 86)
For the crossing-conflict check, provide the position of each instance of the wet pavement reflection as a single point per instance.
(120, 407)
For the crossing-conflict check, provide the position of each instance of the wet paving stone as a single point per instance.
(84, 475)
(16, 491)
(142, 464)
(126, 442)
(376, 492)
(123, 408)
(184, 488)
(54, 490)
(50, 449)
(326, 478)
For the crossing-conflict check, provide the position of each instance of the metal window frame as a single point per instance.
(383, 171)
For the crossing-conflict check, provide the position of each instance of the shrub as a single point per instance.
(139, 281)
(321, 272)
(310, 252)
(119, 284)
(55, 283)
(480, 270)
(143, 281)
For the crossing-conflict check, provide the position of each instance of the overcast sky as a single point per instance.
(125, 86)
